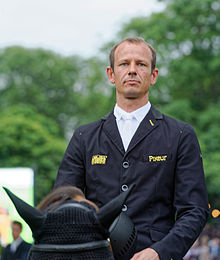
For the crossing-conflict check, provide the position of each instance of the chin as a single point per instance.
(132, 95)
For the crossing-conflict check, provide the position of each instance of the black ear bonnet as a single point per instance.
(74, 230)
(123, 237)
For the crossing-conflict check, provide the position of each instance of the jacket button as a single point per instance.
(125, 165)
(124, 208)
(124, 187)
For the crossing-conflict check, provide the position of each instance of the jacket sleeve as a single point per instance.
(190, 199)
(72, 170)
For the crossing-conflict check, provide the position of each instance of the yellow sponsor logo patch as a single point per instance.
(99, 159)
(158, 158)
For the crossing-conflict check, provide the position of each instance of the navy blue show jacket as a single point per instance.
(169, 205)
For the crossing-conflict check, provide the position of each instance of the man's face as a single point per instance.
(16, 231)
(132, 71)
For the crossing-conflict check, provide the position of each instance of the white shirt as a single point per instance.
(128, 122)
(14, 245)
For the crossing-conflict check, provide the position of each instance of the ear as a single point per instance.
(112, 209)
(110, 74)
(154, 76)
(32, 216)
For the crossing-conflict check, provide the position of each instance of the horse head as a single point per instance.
(77, 229)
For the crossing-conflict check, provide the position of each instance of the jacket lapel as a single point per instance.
(147, 125)
(111, 129)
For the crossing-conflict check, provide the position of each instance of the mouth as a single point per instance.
(132, 81)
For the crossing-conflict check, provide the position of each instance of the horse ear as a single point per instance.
(32, 216)
(112, 209)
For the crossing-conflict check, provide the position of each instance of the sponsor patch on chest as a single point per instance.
(99, 159)
(157, 158)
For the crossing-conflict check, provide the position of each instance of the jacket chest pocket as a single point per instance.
(157, 159)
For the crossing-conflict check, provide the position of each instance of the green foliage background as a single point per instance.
(45, 96)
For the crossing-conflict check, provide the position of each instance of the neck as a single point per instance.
(16, 238)
(130, 105)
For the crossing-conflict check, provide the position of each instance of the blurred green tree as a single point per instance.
(31, 140)
(43, 97)
(97, 96)
(208, 128)
(69, 90)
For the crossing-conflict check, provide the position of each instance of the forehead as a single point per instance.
(127, 50)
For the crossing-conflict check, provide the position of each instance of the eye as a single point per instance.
(124, 64)
(141, 64)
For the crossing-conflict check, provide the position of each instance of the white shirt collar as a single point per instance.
(139, 114)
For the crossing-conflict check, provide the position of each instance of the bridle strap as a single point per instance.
(72, 205)
(70, 248)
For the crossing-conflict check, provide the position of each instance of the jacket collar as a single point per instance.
(148, 124)
(156, 113)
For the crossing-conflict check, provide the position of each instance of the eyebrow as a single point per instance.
(123, 60)
(143, 61)
(137, 61)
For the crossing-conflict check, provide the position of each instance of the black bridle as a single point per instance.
(68, 248)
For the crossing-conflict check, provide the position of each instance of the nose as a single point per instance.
(132, 69)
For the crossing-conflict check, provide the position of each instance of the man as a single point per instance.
(136, 143)
(18, 249)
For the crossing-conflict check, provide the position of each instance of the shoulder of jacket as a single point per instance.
(88, 127)
(175, 123)
(156, 113)
(179, 125)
